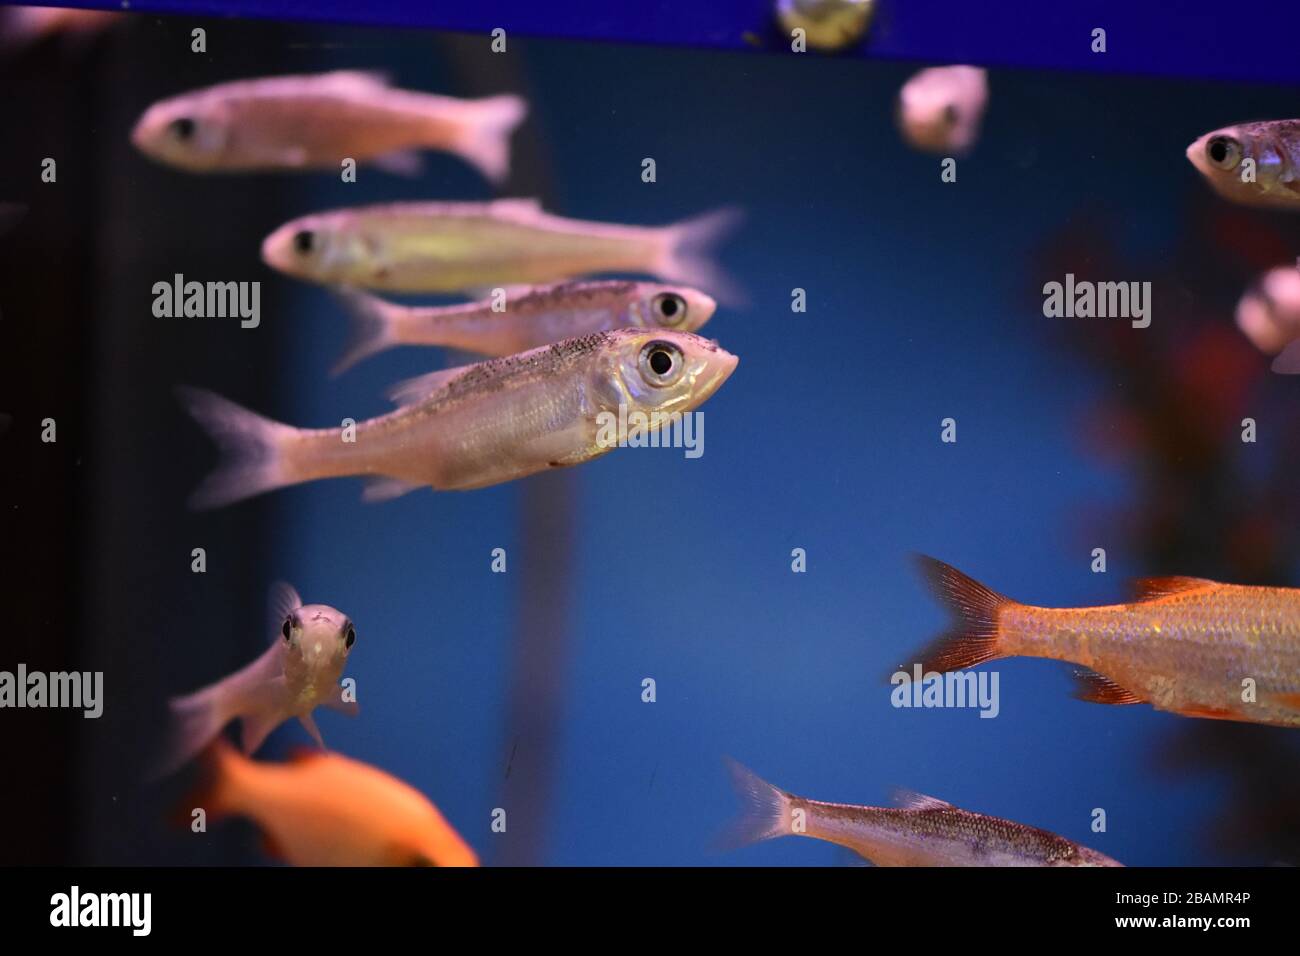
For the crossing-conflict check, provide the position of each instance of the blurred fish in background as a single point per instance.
(317, 121)
(467, 246)
(22, 27)
(1269, 315)
(940, 109)
(324, 809)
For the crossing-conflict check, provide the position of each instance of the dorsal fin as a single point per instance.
(911, 800)
(283, 600)
(1150, 589)
(412, 390)
(517, 209)
(346, 81)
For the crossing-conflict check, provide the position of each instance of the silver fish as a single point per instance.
(1257, 164)
(924, 831)
(528, 317)
(472, 426)
(299, 672)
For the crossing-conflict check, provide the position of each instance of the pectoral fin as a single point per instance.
(348, 707)
(309, 722)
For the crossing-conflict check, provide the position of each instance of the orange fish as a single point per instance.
(1186, 645)
(323, 809)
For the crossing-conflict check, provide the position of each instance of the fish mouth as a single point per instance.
(270, 246)
(721, 365)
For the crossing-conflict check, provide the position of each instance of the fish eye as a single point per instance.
(287, 628)
(661, 363)
(182, 128)
(349, 636)
(303, 240)
(1223, 151)
(670, 307)
(950, 116)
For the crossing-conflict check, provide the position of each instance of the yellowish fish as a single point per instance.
(323, 809)
(467, 246)
(318, 121)
(299, 672)
(1186, 645)
(523, 318)
(923, 831)
(477, 425)
(1256, 164)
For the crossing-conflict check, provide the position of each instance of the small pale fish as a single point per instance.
(317, 121)
(476, 425)
(923, 831)
(1185, 645)
(324, 809)
(1269, 315)
(23, 26)
(522, 318)
(299, 672)
(460, 247)
(1256, 164)
(940, 109)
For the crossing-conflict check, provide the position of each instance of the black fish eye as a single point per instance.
(303, 240)
(350, 637)
(950, 115)
(1222, 151)
(661, 364)
(669, 305)
(182, 128)
(287, 628)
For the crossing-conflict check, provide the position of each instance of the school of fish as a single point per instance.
(563, 350)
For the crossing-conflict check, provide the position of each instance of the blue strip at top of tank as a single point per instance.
(1206, 39)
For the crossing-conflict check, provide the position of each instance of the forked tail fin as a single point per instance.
(485, 142)
(373, 328)
(252, 449)
(195, 721)
(687, 254)
(975, 636)
(765, 810)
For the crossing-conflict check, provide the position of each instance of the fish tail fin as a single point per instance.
(252, 449)
(215, 789)
(374, 328)
(686, 253)
(194, 720)
(976, 635)
(1288, 360)
(485, 142)
(765, 810)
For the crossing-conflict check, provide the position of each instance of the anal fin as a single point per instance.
(1099, 689)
